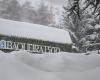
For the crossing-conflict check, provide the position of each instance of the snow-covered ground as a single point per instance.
(21, 65)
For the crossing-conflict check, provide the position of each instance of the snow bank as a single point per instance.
(61, 66)
(60, 62)
(97, 26)
(34, 31)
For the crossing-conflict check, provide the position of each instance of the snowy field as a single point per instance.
(21, 65)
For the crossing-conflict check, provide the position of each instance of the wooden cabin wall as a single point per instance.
(63, 47)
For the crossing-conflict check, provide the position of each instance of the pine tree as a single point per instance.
(77, 19)
(28, 13)
(72, 19)
(10, 9)
(43, 14)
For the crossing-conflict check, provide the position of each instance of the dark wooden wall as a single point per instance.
(63, 47)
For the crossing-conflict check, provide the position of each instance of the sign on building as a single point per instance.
(9, 45)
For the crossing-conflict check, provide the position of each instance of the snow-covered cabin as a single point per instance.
(35, 34)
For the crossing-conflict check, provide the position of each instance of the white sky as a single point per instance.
(56, 2)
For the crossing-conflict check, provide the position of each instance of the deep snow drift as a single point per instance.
(59, 66)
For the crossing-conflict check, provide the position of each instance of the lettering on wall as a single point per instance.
(29, 47)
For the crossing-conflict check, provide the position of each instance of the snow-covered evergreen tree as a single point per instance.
(28, 13)
(81, 21)
(43, 14)
(10, 9)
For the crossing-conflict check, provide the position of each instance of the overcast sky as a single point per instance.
(56, 2)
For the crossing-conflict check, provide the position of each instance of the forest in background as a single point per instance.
(13, 10)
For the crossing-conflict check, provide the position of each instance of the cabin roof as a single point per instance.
(34, 31)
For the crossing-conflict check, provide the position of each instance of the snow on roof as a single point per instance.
(97, 26)
(34, 31)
